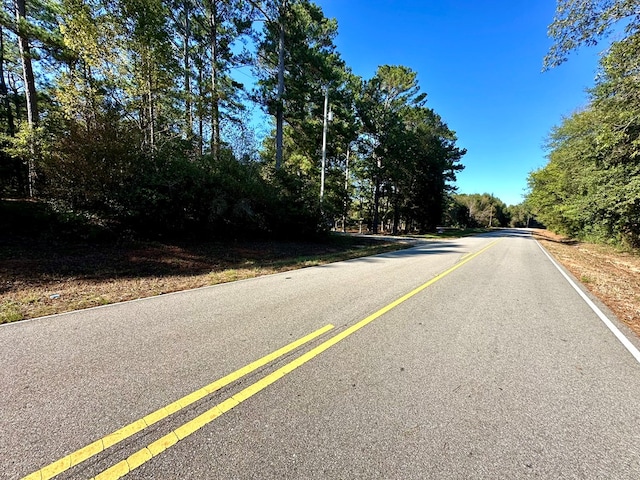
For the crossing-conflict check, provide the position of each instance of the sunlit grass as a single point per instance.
(10, 312)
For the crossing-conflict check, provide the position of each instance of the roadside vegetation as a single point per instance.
(486, 211)
(50, 263)
(208, 118)
(151, 146)
(590, 187)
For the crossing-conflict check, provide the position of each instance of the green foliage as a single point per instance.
(409, 153)
(296, 211)
(456, 214)
(483, 210)
(520, 216)
(312, 65)
(48, 222)
(590, 188)
(135, 101)
(10, 312)
(13, 172)
(580, 22)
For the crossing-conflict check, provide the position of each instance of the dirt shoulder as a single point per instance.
(610, 274)
(43, 278)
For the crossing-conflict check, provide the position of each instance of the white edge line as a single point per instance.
(619, 335)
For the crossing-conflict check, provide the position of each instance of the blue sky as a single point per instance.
(480, 64)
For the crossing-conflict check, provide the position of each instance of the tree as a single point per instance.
(141, 124)
(4, 91)
(27, 67)
(484, 210)
(580, 22)
(433, 162)
(590, 188)
(29, 87)
(380, 104)
(273, 14)
(411, 154)
(221, 24)
(520, 216)
(292, 80)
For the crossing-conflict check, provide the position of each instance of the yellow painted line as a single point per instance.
(56, 467)
(210, 415)
(89, 451)
(127, 431)
(117, 471)
(160, 445)
(34, 476)
(139, 458)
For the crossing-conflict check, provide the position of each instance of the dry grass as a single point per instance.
(610, 274)
(38, 279)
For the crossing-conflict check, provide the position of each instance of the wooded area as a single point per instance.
(590, 188)
(132, 115)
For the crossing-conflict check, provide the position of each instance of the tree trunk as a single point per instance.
(376, 207)
(186, 39)
(345, 204)
(91, 117)
(279, 99)
(15, 98)
(215, 96)
(152, 116)
(27, 68)
(396, 217)
(4, 91)
(376, 197)
(200, 98)
(30, 91)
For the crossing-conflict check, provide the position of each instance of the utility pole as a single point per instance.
(324, 141)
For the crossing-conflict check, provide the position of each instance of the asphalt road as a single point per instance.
(496, 368)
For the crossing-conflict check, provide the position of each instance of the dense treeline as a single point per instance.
(133, 114)
(590, 188)
(486, 211)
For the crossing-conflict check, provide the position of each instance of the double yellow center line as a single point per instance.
(153, 449)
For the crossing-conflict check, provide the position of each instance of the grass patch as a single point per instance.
(10, 312)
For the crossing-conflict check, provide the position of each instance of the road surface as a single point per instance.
(466, 358)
